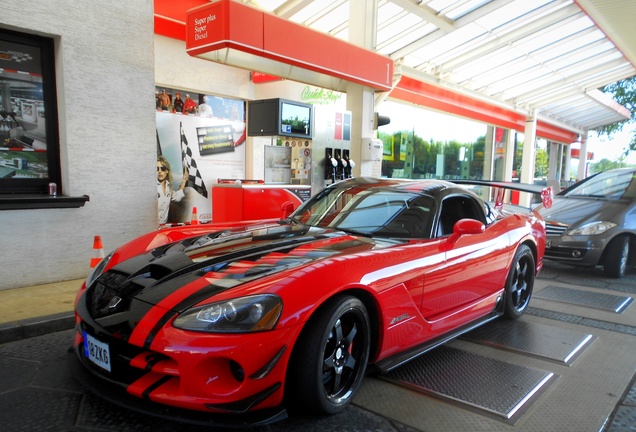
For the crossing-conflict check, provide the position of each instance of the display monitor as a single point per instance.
(270, 117)
(295, 119)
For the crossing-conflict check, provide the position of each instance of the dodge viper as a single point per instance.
(241, 323)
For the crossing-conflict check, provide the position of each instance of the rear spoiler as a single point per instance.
(546, 192)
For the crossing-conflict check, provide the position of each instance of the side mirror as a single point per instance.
(466, 226)
(286, 208)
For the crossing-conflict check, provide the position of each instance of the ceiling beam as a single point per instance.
(459, 23)
(291, 7)
(534, 29)
(427, 14)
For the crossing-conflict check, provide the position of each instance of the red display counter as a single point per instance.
(236, 202)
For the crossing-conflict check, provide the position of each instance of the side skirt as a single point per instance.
(389, 363)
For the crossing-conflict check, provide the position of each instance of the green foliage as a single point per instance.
(606, 164)
(414, 157)
(623, 92)
(541, 163)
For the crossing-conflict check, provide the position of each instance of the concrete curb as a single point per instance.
(24, 329)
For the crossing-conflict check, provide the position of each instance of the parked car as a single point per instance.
(593, 222)
(237, 323)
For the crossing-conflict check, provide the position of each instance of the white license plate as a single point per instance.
(97, 352)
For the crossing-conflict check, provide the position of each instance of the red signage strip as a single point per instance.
(168, 27)
(260, 78)
(576, 153)
(428, 95)
(229, 24)
(555, 133)
(421, 93)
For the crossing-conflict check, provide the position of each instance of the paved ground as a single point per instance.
(595, 393)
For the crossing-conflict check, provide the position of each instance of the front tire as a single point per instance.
(616, 257)
(519, 284)
(330, 358)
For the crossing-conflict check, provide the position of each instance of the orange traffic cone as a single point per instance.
(98, 251)
(195, 217)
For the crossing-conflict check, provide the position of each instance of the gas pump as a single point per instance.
(348, 164)
(332, 138)
(331, 163)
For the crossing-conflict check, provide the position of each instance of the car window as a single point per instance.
(610, 184)
(375, 212)
(458, 207)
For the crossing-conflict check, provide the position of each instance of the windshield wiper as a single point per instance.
(290, 219)
(354, 232)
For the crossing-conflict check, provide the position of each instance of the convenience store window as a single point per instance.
(29, 138)
(420, 143)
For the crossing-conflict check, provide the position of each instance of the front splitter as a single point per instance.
(118, 396)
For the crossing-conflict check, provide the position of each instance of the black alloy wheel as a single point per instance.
(330, 359)
(520, 283)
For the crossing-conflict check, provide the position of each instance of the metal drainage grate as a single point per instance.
(607, 302)
(504, 390)
(546, 342)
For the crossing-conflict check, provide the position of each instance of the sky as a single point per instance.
(604, 148)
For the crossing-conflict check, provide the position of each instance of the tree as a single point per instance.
(623, 92)
(606, 164)
(541, 163)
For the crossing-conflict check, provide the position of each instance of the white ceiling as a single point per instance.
(551, 56)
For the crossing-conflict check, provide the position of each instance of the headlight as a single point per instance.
(592, 228)
(244, 314)
(98, 269)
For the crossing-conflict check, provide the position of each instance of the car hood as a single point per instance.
(575, 211)
(174, 277)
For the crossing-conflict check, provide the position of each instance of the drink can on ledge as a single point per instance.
(52, 189)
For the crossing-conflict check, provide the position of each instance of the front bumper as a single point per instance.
(576, 250)
(232, 380)
(118, 396)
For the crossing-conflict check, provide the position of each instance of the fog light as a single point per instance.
(237, 371)
(576, 253)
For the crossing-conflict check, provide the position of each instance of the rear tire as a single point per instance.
(519, 284)
(330, 358)
(617, 257)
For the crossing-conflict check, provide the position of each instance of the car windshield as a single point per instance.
(609, 184)
(370, 211)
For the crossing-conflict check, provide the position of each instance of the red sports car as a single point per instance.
(237, 323)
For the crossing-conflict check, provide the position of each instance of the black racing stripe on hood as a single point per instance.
(224, 268)
(154, 295)
(143, 274)
(133, 281)
(213, 289)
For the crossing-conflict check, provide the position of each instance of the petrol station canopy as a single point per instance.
(524, 57)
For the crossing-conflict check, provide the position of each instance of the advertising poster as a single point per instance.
(23, 149)
(199, 141)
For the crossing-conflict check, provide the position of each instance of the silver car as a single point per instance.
(593, 222)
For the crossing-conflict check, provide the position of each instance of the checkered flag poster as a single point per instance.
(194, 175)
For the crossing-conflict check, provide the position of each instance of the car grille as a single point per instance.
(555, 229)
